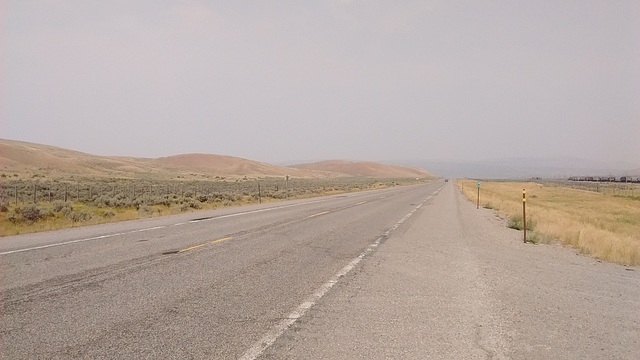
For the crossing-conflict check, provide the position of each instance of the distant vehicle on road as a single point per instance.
(446, 180)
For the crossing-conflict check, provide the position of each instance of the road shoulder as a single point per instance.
(454, 282)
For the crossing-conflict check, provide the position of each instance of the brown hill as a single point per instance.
(28, 159)
(229, 165)
(365, 168)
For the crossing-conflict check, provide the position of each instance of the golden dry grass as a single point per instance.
(605, 226)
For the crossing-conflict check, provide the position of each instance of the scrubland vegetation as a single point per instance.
(603, 225)
(37, 204)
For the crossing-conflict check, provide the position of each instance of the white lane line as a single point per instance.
(62, 243)
(277, 330)
(257, 211)
(151, 228)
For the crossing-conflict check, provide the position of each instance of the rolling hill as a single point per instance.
(364, 168)
(29, 159)
(230, 166)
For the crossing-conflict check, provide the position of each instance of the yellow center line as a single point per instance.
(209, 243)
(318, 214)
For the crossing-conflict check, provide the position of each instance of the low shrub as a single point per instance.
(63, 207)
(516, 223)
(143, 210)
(58, 205)
(66, 209)
(31, 213)
(13, 217)
(79, 216)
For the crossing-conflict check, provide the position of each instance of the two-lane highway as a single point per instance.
(214, 284)
(409, 272)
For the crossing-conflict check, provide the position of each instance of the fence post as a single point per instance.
(524, 215)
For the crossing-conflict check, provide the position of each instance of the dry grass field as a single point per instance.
(603, 225)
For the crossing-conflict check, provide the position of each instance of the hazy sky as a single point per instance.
(276, 81)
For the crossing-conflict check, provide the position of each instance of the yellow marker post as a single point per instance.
(478, 202)
(524, 215)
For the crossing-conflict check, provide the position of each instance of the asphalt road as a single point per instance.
(408, 272)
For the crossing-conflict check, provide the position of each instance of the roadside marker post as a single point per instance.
(259, 193)
(478, 202)
(524, 215)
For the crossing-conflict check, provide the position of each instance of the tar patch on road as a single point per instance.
(201, 219)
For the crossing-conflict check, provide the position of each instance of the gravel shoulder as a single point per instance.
(454, 283)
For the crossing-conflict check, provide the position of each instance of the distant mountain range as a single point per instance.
(525, 168)
(29, 159)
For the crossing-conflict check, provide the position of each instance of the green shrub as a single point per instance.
(516, 223)
(58, 205)
(14, 217)
(66, 209)
(164, 200)
(143, 210)
(78, 216)
(31, 213)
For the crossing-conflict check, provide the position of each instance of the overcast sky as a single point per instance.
(277, 81)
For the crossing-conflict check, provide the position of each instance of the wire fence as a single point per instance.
(621, 189)
(122, 193)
